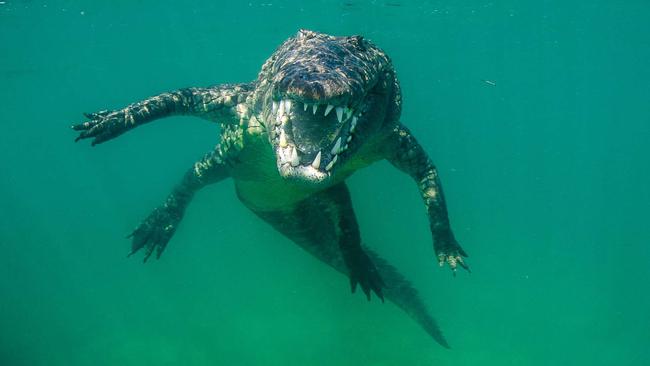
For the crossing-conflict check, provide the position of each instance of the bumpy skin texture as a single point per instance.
(409, 156)
(321, 108)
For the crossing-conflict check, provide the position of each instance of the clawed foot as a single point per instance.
(154, 233)
(364, 273)
(449, 251)
(103, 125)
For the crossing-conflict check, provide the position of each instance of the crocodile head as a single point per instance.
(322, 98)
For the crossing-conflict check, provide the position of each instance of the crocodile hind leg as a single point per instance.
(328, 217)
(315, 225)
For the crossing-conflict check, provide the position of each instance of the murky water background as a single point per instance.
(546, 174)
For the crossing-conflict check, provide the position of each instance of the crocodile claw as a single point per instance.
(364, 273)
(102, 126)
(454, 261)
(154, 233)
(449, 251)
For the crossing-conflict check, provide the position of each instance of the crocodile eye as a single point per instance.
(357, 41)
(306, 34)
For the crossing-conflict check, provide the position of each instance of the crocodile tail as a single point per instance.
(400, 292)
(315, 233)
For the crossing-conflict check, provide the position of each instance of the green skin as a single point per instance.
(289, 157)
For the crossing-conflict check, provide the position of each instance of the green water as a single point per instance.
(546, 175)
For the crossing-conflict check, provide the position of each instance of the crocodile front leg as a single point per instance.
(158, 228)
(222, 103)
(405, 153)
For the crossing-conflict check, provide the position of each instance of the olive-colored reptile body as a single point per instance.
(321, 108)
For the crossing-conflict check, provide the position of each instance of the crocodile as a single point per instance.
(321, 108)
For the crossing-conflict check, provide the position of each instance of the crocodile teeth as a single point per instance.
(328, 109)
(314, 108)
(281, 108)
(353, 124)
(287, 105)
(274, 107)
(349, 138)
(294, 157)
(283, 155)
(339, 113)
(305, 106)
(337, 146)
(316, 163)
(348, 113)
(331, 163)
(283, 139)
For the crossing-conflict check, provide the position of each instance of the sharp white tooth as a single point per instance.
(278, 118)
(305, 106)
(348, 113)
(328, 109)
(336, 147)
(283, 139)
(344, 147)
(294, 157)
(287, 105)
(339, 113)
(283, 156)
(349, 139)
(331, 163)
(274, 107)
(316, 162)
(281, 108)
(353, 124)
(314, 108)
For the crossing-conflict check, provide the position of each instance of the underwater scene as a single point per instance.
(299, 151)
